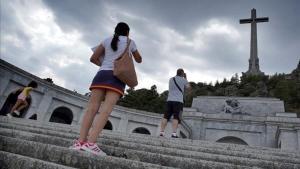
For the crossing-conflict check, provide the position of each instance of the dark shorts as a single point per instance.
(173, 108)
(105, 79)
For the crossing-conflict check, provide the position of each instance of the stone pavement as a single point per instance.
(29, 144)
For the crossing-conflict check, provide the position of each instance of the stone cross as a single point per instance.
(253, 61)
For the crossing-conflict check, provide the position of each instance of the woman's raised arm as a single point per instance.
(137, 56)
(95, 58)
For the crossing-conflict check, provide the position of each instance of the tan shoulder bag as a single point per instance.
(124, 68)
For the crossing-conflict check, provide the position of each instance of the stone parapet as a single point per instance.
(241, 118)
(256, 106)
(15, 70)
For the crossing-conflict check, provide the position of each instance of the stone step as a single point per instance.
(166, 144)
(153, 154)
(15, 161)
(152, 157)
(146, 139)
(209, 148)
(68, 157)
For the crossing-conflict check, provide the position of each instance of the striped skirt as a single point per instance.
(105, 79)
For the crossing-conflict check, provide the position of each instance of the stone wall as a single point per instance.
(47, 98)
(253, 130)
(256, 125)
(255, 106)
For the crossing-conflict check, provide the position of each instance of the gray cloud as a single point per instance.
(204, 37)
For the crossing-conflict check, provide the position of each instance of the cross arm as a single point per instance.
(264, 19)
(242, 21)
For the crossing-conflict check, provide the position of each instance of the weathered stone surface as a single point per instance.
(144, 139)
(68, 157)
(256, 106)
(181, 153)
(15, 161)
(185, 159)
(253, 123)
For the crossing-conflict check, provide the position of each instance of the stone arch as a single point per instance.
(33, 117)
(232, 140)
(10, 102)
(108, 125)
(62, 115)
(141, 130)
(182, 135)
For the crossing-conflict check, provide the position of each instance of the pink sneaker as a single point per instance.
(77, 145)
(9, 116)
(17, 112)
(93, 148)
(162, 134)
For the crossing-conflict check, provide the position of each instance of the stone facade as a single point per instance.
(255, 106)
(249, 121)
(261, 122)
(53, 103)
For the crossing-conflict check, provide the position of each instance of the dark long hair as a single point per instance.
(33, 84)
(121, 29)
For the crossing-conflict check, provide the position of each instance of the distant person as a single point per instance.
(21, 102)
(105, 88)
(177, 86)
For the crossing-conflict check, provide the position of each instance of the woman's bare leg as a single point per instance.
(17, 104)
(24, 104)
(111, 99)
(94, 103)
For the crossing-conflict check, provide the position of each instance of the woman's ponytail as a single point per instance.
(114, 42)
(122, 29)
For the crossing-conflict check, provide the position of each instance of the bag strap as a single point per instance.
(128, 43)
(177, 85)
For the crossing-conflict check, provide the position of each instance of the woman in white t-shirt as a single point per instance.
(105, 88)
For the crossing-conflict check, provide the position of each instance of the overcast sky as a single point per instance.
(52, 38)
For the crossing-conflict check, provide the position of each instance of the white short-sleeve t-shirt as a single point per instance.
(110, 55)
(174, 93)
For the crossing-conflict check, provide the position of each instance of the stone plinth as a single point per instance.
(288, 138)
(287, 114)
(248, 105)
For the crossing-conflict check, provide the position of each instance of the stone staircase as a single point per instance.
(30, 144)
